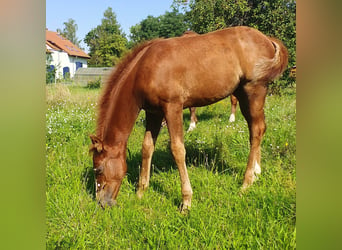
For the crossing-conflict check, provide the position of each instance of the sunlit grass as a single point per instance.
(217, 151)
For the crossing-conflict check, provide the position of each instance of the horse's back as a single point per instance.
(201, 69)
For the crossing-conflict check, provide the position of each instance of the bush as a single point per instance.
(50, 74)
(279, 86)
(94, 84)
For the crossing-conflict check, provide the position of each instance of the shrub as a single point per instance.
(94, 84)
(50, 73)
(277, 87)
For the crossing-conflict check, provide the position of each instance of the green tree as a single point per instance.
(107, 43)
(69, 31)
(210, 15)
(147, 29)
(170, 24)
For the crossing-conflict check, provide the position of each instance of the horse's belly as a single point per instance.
(202, 94)
(203, 101)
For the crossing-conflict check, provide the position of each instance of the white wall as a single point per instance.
(61, 59)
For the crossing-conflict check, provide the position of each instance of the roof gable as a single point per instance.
(58, 42)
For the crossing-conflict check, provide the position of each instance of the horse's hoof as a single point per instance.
(244, 189)
(184, 209)
(140, 194)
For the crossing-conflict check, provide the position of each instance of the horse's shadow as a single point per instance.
(201, 117)
(89, 180)
(159, 156)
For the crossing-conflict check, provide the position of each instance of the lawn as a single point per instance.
(221, 218)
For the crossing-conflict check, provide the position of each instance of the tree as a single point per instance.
(69, 31)
(107, 43)
(170, 24)
(210, 15)
(147, 29)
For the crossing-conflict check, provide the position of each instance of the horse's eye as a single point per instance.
(98, 170)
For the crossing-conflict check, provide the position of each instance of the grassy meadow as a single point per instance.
(221, 218)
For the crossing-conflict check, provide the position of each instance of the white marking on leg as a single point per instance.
(232, 118)
(257, 169)
(192, 126)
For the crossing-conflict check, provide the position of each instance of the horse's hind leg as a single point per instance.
(193, 119)
(233, 102)
(252, 100)
(174, 118)
(153, 122)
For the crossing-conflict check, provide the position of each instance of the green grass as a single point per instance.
(217, 151)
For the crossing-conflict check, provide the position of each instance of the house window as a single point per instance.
(79, 65)
(66, 72)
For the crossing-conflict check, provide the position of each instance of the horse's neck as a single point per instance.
(121, 116)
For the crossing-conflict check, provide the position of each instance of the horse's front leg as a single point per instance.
(174, 119)
(252, 99)
(153, 123)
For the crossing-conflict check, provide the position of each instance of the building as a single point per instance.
(63, 55)
(85, 75)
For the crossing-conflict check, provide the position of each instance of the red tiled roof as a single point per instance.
(53, 45)
(58, 42)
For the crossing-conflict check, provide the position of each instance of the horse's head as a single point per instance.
(109, 168)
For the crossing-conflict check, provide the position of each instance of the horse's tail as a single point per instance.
(271, 69)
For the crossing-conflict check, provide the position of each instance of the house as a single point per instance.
(63, 55)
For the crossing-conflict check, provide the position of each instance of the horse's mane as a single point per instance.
(112, 83)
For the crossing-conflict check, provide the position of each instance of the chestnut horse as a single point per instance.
(163, 77)
(194, 120)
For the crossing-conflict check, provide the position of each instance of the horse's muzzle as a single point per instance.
(106, 193)
(107, 203)
(106, 196)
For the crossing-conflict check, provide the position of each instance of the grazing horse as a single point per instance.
(163, 77)
(194, 120)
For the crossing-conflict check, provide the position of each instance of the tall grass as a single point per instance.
(217, 151)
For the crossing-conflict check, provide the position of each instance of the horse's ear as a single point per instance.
(96, 143)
